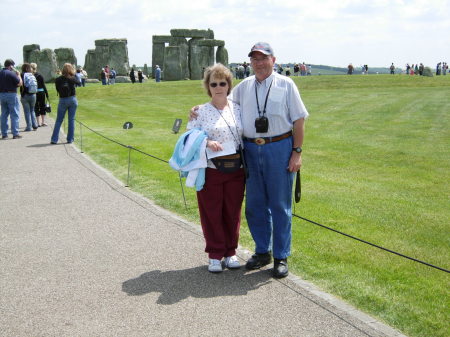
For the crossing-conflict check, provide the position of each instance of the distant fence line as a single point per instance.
(131, 148)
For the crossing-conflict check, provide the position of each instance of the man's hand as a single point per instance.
(295, 162)
(193, 113)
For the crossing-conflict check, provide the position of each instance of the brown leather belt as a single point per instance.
(267, 140)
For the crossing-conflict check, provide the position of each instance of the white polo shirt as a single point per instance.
(284, 104)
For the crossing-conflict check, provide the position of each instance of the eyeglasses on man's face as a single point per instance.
(215, 84)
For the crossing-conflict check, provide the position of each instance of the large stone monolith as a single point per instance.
(65, 55)
(199, 58)
(172, 64)
(222, 55)
(112, 52)
(46, 63)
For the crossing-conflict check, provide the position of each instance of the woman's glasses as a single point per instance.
(214, 84)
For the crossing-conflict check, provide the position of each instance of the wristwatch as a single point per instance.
(297, 149)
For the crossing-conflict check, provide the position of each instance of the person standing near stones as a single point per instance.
(41, 95)
(103, 76)
(9, 81)
(273, 121)
(140, 76)
(28, 99)
(132, 76)
(158, 74)
(65, 86)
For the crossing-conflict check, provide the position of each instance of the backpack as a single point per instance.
(64, 88)
(31, 83)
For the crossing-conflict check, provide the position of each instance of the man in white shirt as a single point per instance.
(273, 116)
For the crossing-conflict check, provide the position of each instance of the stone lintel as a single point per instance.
(202, 33)
(161, 38)
(211, 43)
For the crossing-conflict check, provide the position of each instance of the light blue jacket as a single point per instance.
(189, 157)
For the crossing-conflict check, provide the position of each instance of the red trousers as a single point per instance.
(219, 203)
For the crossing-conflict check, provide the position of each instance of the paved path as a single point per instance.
(81, 255)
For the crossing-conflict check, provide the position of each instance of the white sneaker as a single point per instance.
(215, 266)
(232, 262)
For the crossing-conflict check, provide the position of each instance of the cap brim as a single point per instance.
(260, 51)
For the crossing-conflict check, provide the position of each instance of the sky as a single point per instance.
(327, 32)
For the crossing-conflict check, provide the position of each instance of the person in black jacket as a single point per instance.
(41, 95)
(65, 86)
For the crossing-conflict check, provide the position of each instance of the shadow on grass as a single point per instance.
(177, 285)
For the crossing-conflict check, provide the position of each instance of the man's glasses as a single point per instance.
(214, 84)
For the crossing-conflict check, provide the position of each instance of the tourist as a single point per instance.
(392, 69)
(112, 76)
(40, 107)
(350, 69)
(65, 86)
(10, 79)
(27, 98)
(79, 75)
(157, 74)
(103, 76)
(273, 116)
(288, 71)
(107, 74)
(220, 199)
(140, 76)
(84, 78)
(132, 76)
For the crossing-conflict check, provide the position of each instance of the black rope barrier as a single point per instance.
(295, 215)
(372, 244)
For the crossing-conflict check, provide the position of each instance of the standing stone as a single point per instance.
(112, 52)
(184, 52)
(159, 44)
(199, 58)
(28, 49)
(145, 69)
(172, 64)
(65, 55)
(222, 56)
(46, 63)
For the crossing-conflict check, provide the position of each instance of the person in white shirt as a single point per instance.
(220, 199)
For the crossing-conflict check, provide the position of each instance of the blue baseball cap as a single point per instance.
(262, 47)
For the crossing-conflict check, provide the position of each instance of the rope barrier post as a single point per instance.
(81, 137)
(129, 163)
(182, 190)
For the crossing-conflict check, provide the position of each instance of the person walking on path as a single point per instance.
(220, 199)
(9, 81)
(65, 86)
(42, 94)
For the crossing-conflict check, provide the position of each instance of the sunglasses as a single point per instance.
(214, 84)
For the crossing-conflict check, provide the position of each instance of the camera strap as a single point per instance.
(265, 102)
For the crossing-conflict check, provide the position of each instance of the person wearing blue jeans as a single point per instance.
(65, 86)
(273, 120)
(28, 100)
(9, 81)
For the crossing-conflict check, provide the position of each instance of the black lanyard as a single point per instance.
(265, 103)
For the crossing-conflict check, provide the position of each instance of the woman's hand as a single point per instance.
(213, 145)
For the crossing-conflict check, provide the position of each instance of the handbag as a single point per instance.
(48, 107)
(228, 164)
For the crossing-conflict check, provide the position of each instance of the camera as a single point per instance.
(261, 124)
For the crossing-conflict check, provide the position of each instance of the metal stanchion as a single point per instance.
(129, 163)
(182, 189)
(81, 137)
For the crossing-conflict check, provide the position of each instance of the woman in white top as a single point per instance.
(221, 198)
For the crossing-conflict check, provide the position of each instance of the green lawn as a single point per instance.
(376, 166)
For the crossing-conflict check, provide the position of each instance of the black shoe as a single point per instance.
(258, 260)
(17, 137)
(53, 143)
(280, 268)
(4, 137)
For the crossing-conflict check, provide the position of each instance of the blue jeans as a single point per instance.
(268, 205)
(68, 104)
(28, 103)
(10, 107)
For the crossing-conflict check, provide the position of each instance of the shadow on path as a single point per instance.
(197, 282)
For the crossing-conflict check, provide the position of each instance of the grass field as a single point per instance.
(376, 166)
